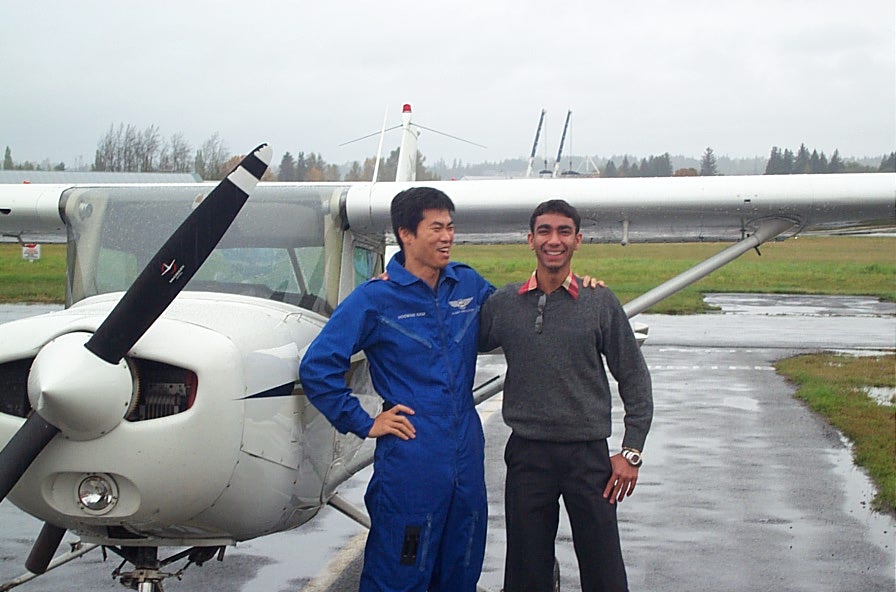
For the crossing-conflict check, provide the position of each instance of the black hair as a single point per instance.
(555, 206)
(408, 206)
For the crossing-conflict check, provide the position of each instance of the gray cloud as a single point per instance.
(642, 78)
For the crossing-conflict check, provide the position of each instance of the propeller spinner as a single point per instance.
(79, 363)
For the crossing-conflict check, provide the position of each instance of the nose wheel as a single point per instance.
(147, 575)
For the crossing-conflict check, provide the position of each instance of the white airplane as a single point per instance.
(162, 408)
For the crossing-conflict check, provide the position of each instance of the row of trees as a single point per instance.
(313, 167)
(10, 165)
(661, 166)
(654, 166)
(784, 162)
(127, 148)
(780, 162)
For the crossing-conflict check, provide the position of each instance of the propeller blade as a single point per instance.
(22, 449)
(44, 548)
(159, 283)
(177, 261)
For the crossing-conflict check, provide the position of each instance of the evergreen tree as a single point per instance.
(7, 160)
(888, 164)
(301, 167)
(836, 164)
(389, 167)
(788, 162)
(421, 172)
(287, 171)
(199, 164)
(662, 165)
(331, 172)
(610, 170)
(815, 163)
(775, 164)
(644, 169)
(708, 167)
(802, 164)
(355, 173)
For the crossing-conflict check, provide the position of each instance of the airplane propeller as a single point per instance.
(64, 370)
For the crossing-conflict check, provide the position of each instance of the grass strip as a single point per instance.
(833, 385)
(40, 281)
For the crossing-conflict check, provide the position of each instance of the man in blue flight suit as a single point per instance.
(419, 330)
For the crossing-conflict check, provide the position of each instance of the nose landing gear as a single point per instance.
(147, 575)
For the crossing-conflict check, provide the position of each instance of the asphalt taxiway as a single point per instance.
(743, 487)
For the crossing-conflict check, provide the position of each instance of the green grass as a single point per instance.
(32, 281)
(805, 265)
(832, 386)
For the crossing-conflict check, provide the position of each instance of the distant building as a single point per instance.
(9, 177)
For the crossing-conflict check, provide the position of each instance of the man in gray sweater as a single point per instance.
(557, 401)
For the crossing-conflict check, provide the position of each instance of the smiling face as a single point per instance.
(554, 240)
(428, 252)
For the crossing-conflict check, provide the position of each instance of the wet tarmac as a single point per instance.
(743, 488)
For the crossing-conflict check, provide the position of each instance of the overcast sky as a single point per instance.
(641, 78)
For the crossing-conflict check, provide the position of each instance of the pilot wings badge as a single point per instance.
(461, 303)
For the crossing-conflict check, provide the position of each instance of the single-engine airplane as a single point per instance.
(163, 408)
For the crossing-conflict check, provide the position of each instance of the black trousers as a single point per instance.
(538, 473)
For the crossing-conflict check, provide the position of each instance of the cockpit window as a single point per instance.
(368, 263)
(274, 249)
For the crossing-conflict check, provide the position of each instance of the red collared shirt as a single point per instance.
(569, 284)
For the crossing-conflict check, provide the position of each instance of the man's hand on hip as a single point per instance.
(391, 423)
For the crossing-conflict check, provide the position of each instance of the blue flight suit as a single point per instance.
(427, 497)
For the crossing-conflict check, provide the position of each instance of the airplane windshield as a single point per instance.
(274, 249)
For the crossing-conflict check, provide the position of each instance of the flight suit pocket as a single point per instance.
(405, 331)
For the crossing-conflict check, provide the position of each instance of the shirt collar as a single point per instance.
(398, 273)
(569, 284)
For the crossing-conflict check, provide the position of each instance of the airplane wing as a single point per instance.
(661, 209)
(31, 211)
(670, 209)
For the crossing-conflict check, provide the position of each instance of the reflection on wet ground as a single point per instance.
(801, 305)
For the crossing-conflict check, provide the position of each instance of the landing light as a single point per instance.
(97, 494)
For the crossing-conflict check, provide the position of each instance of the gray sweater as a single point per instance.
(556, 387)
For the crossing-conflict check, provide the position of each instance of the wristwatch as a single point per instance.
(632, 456)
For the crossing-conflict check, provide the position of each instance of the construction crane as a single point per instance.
(560, 150)
(535, 144)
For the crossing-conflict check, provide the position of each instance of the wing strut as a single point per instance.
(78, 548)
(767, 230)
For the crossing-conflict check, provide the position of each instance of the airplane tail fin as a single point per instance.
(407, 153)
